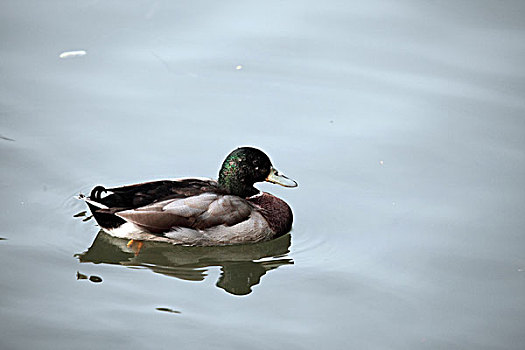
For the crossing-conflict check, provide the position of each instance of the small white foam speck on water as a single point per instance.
(71, 54)
(238, 67)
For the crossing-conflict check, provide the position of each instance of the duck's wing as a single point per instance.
(199, 212)
(138, 195)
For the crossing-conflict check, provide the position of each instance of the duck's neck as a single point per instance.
(232, 185)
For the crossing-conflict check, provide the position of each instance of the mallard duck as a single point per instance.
(198, 211)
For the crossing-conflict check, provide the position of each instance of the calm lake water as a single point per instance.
(403, 123)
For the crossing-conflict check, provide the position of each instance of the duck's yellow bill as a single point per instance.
(279, 179)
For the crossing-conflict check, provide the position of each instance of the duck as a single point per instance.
(198, 211)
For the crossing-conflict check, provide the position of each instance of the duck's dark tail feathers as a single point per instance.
(96, 193)
(104, 217)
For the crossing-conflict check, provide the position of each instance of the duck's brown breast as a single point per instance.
(275, 211)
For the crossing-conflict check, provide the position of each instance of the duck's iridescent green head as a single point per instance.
(245, 166)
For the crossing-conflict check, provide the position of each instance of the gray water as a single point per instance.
(403, 123)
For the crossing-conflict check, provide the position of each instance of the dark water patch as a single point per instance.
(92, 278)
(81, 276)
(2, 137)
(168, 310)
(95, 279)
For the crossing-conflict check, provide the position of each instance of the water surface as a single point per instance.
(401, 121)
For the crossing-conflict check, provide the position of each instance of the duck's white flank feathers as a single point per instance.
(254, 229)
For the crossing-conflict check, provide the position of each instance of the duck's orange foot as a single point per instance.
(135, 246)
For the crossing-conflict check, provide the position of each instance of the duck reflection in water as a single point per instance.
(242, 266)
